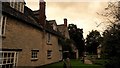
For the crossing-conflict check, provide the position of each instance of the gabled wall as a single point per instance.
(19, 35)
(55, 48)
(22, 36)
(25, 33)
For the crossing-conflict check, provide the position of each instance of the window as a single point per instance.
(15, 5)
(8, 59)
(34, 55)
(22, 7)
(54, 27)
(49, 54)
(18, 5)
(12, 3)
(2, 25)
(48, 38)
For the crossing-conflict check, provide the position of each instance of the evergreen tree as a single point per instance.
(111, 36)
(76, 34)
(93, 40)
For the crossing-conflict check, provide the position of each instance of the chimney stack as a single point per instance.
(65, 22)
(42, 16)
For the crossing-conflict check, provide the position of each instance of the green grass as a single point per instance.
(100, 61)
(74, 64)
(79, 64)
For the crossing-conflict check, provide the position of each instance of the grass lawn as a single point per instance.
(74, 64)
(100, 61)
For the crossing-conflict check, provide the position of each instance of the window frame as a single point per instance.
(12, 3)
(3, 25)
(8, 58)
(34, 54)
(49, 54)
(54, 27)
(22, 7)
(49, 39)
(17, 5)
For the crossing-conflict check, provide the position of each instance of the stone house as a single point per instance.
(65, 32)
(64, 29)
(27, 40)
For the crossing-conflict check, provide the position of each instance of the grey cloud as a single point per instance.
(76, 7)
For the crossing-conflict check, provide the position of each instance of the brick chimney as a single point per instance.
(42, 16)
(65, 22)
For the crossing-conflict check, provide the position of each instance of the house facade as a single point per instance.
(25, 39)
(64, 29)
(65, 32)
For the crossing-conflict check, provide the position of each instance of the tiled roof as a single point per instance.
(27, 17)
(36, 13)
(50, 29)
(29, 12)
(6, 9)
(54, 32)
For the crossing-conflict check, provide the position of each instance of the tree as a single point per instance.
(111, 36)
(76, 34)
(111, 46)
(93, 40)
(111, 14)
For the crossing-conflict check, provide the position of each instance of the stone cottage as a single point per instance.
(27, 39)
(65, 32)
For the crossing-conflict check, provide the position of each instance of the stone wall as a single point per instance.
(19, 35)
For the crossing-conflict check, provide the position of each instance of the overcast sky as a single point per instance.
(80, 12)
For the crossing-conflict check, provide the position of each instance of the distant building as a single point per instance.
(64, 30)
(99, 48)
(27, 39)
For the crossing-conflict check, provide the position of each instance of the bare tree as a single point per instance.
(111, 36)
(111, 13)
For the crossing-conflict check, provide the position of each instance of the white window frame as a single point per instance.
(49, 54)
(34, 54)
(14, 3)
(48, 38)
(2, 25)
(54, 27)
(17, 6)
(8, 58)
(21, 7)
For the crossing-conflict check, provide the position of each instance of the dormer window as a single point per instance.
(18, 5)
(54, 27)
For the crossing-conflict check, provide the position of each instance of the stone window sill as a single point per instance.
(49, 58)
(34, 59)
(49, 43)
